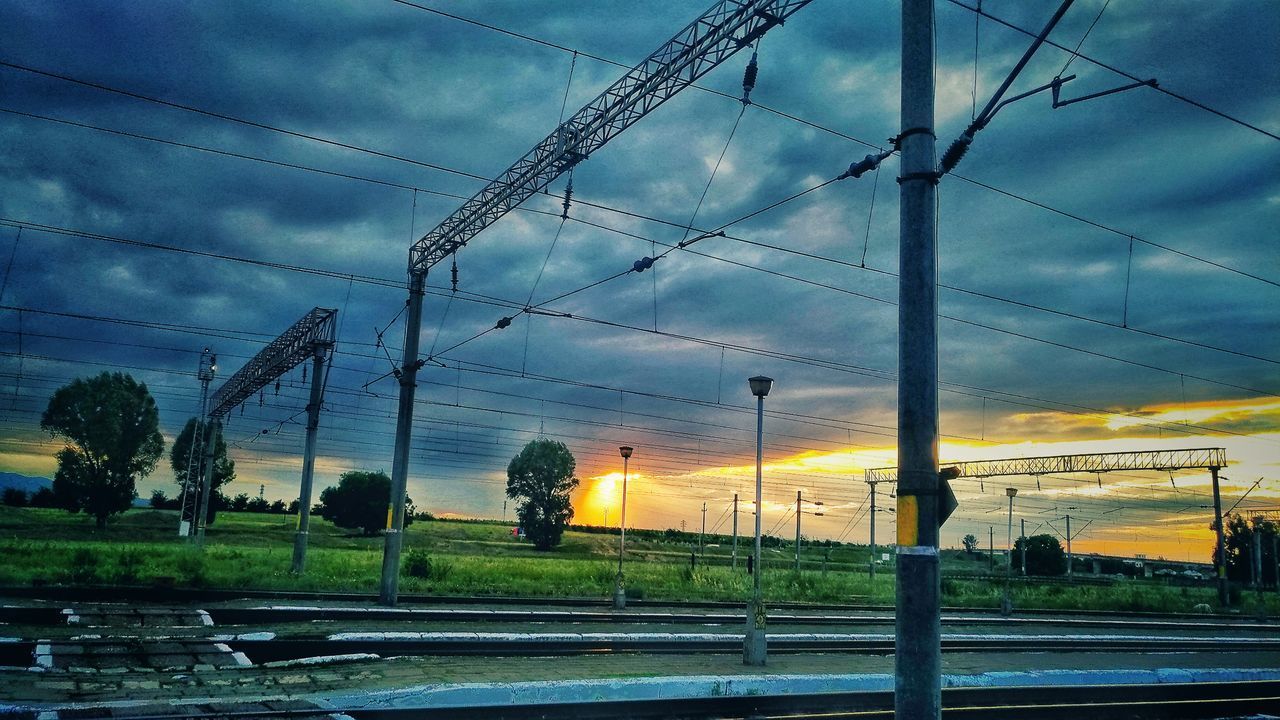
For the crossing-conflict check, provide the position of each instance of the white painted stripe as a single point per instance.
(205, 618)
(44, 655)
(925, 550)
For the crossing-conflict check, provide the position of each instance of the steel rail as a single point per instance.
(153, 594)
(1043, 702)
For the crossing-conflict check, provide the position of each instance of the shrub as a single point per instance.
(417, 563)
(191, 568)
(83, 569)
(128, 563)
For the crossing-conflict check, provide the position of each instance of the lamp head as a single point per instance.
(625, 451)
(760, 385)
(1011, 492)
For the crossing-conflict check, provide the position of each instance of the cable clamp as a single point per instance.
(931, 176)
(897, 139)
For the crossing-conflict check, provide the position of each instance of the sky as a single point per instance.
(175, 176)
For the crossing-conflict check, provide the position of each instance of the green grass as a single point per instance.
(247, 550)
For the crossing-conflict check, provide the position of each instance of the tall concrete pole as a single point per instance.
(1006, 606)
(213, 432)
(918, 636)
(1219, 556)
(702, 548)
(735, 531)
(871, 559)
(1275, 557)
(619, 586)
(389, 588)
(1070, 559)
(308, 461)
(991, 549)
(799, 512)
(1023, 534)
(186, 527)
(754, 649)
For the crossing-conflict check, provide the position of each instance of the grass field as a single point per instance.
(247, 550)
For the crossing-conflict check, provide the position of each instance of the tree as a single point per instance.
(111, 426)
(14, 497)
(359, 500)
(970, 543)
(183, 456)
(43, 498)
(240, 502)
(540, 478)
(1237, 542)
(1045, 555)
(158, 500)
(257, 505)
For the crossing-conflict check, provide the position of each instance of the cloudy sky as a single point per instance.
(180, 175)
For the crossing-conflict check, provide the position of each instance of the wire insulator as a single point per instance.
(956, 152)
(749, 79)
(642, 264)
(568, 197)
(503, 324)
(455, 273)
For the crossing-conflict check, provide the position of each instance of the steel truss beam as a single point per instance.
(295, 345)
(1164, 460)
(724, 29)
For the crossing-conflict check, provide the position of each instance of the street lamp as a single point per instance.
(1006, 605)
(619, 593)
(753, 644)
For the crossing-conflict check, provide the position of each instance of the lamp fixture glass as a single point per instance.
(760, 385)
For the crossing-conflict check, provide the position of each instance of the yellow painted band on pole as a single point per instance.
(908, 520)
(391, 509)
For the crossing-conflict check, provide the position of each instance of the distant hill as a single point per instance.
(24, 483)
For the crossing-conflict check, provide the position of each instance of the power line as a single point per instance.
(1118, 71)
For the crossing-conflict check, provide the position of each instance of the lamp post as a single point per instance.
(753, 645)
(619, 592)
(1006, 605)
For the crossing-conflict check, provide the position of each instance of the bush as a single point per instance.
(418, 564)
(83, 569)
(14, 497)
(128, 563)
(191, 568)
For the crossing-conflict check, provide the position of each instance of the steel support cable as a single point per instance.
(237, 120)
(957, 388)
(392, 283)
(1131, 238)
(1008, 397)
(1118, 71)
(978, 13)
(478, 177)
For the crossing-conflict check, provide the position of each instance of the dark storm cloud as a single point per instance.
(422, 87)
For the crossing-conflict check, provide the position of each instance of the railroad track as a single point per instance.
(193, 596)
(1096, 702)
(171, 653)
(106, 615)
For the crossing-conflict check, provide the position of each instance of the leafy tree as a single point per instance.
(277, 507)
(111, 426)
(43, 498)
(1045, 555)
(970, 543)
(158, 500)
(180, 455)
(240, 502)
(257, 505)
(14, 497)
(1237, 541)
(360, 501)
(540, 478)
